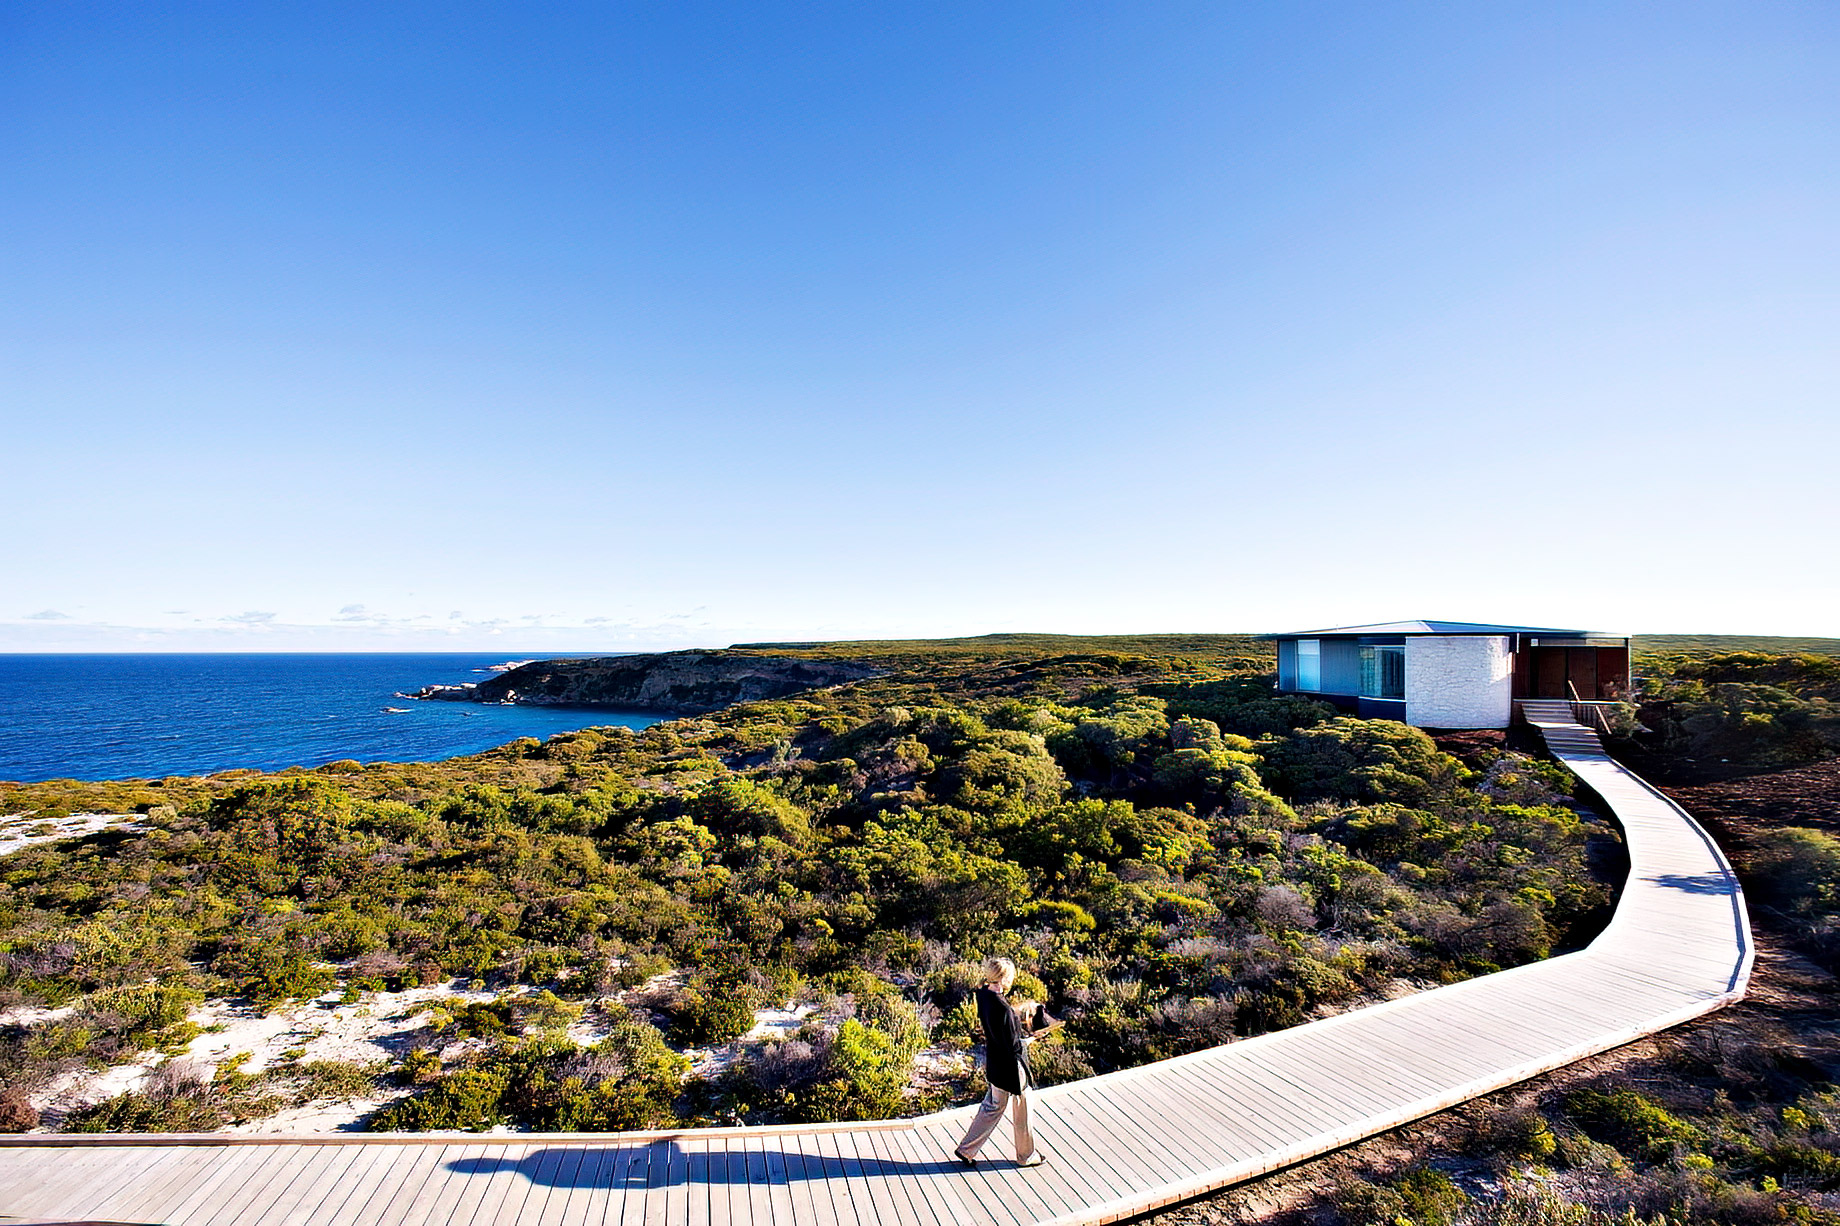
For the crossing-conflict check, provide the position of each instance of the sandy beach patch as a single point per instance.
(20, 830)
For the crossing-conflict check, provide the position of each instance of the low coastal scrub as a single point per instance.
(1742, 711)
(1174, 856)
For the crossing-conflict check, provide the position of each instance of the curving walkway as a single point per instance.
(1678, 946)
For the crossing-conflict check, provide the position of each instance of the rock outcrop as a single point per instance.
(670, 683)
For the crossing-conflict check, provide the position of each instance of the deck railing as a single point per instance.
(1588, 712)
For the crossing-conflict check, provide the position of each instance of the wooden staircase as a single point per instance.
(1559, 725)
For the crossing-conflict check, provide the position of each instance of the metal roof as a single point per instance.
(1430, 627)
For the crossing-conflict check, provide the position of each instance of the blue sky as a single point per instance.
(627, 325)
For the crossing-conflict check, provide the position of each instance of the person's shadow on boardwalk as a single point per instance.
(663, 1164)
(1704, 883)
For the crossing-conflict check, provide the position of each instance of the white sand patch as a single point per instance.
(777, 1023)
(34, 1015)
(347, 1115)
(80, 1087)
(376, 1026)
(22, 829)
(770, 1026)
(379, 1027)
(941, 1066)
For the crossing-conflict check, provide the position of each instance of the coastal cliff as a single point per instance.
(671, 683)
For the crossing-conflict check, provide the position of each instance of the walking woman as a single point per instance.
(1006, 1067)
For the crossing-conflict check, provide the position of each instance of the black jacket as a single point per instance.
(1005, 1064)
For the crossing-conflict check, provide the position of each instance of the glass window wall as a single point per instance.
(1383, 672)
(1309, 664)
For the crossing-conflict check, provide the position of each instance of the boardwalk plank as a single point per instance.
(549, 1204)
(227, 1174)
(256, 1198)
(448, 1186)
(773, 1177)
(507, 1187)
(355, 1181)
(1145, 1108)
(822, 1158)
(938, 1180)
(76, 1187)
(977, 1185)
(759, 1181)
(649, 1210)
(407, 1178)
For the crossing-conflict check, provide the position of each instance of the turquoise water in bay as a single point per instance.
(146, 716)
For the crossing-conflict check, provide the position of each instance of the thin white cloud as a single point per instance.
(251, 618)
(49, 615)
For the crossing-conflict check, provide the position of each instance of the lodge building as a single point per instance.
(1450, 674)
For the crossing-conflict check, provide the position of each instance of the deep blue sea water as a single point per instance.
(146, 716)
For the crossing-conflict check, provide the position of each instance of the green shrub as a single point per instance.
(471, 1099)
(472, 1019)
(194, 1111)
(1749, 711)
(335, 1079)
(543, 1011)
(625, 1082)
(271, 976)
(1797, 869)
(142, 1013)
(1631, 1122)
(1058, 916)
(1419, 1197)
(959, 1026)
(1518, 1133)
(1798, 1158)
(863, 1077)
(715, 1014)
(420, 1067)
(1359, 759)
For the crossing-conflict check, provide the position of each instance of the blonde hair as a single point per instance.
(1000, 972)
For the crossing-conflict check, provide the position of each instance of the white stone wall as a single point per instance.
(1459, 681)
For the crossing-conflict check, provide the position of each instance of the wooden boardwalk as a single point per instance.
(1678, 946)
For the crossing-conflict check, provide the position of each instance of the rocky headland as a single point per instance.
(670, 683)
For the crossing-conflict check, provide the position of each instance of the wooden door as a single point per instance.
(1549, 672)
(1581, 671)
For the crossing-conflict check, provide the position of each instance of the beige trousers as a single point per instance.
(990, 1114)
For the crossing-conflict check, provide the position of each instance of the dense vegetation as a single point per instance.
(1740, 711)
(1173, 856)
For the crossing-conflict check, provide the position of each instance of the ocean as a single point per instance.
(147, 716)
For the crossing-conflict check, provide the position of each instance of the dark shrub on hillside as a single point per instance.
(1797, 869)
(1420, 1197)
(17, 1114)
(627, 1081)
(1244, 705)
(1630, 1121)
(1744, 724)
(1803, 674)
(138, 1013)
(1359, 759)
